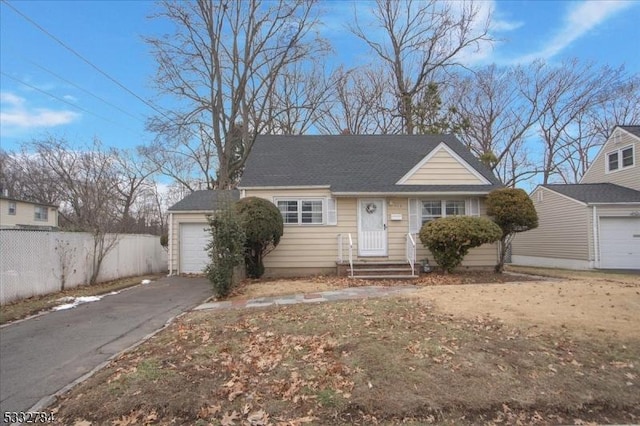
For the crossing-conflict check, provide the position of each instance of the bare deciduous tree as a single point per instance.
(571, 90)
(421, 39)
(360, 104)
(589, 131)
(301, 91)
(223, 64)
(496, 118)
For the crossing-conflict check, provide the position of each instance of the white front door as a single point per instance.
(372, 227)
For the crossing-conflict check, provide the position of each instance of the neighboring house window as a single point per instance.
(12, 208)
(627, 157)
(422, 211)
(308, 211)
(620, 159)
(41, 213)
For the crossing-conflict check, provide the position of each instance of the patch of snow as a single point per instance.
(75, 301)
(146, 281)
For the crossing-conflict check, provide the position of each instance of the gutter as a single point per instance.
(596, 242)
(406, 194)
(244, 188)
(170, 244)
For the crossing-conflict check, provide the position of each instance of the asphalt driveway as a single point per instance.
(42, 355)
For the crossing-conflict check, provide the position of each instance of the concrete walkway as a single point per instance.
(324, 296)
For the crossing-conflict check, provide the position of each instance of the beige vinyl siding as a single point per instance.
(563, 229)
(309, 246)
(315, 247)
(629, 177)
(25, 214)
(483, 256)
(443, 169)
(174, 243)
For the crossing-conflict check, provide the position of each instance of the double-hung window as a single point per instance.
(433, 209)
(312, 211)
(423, 211)
(12, 208)
(41, 213)
(620, 159)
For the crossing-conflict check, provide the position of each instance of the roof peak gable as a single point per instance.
(442, 146)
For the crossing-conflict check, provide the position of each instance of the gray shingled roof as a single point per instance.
(632, 129)
(204, 200)
(351, 163)
(597, 192)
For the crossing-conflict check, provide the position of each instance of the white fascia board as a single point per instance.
(249, 188)
(565, 196)
(628, 203)
(192, 211)
(407, 194)
(604, 149)
(451, 152)
(627, 132)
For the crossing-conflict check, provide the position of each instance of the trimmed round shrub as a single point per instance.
(263, 228)
(450, 239)
(514, 212)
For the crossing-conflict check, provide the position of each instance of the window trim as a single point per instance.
(471, 208)
(38, 217)
(443, 208)
(621, 166)
(329, 210)
(12, 208)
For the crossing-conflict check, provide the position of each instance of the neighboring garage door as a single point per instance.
(620, 243)
(193, 240)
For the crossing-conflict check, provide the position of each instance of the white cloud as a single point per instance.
(16, 114)
(483, 51)
(500, 25)
(578, 22)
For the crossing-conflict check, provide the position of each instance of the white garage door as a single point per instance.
(620, 243)
(193, 240)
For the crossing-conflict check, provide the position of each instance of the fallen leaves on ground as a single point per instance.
(364, 362)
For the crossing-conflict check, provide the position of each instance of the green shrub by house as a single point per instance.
(263, 227)
(514, 212)
(226, 249)
(450, 239)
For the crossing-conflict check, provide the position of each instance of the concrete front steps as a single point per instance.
(383, 270)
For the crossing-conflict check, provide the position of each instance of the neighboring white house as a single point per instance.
(592, 224)
(23, 214)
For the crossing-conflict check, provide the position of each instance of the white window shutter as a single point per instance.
(332, 211)
(414, 216)
(473, 207)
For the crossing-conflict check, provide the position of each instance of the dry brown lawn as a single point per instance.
(543, 352)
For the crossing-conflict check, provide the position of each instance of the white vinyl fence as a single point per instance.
(40, 262)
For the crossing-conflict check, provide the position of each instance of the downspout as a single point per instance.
(170, 244)
(596, 244)
(243, 193)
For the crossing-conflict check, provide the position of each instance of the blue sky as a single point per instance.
(47, 89)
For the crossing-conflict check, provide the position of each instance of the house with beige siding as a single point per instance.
(22, 214)
(188, 229)
(355, 204)
(594, 224)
